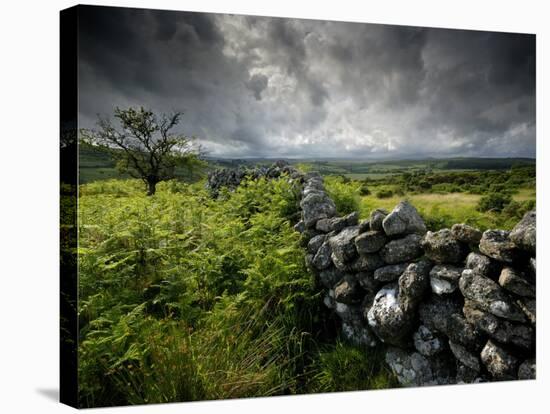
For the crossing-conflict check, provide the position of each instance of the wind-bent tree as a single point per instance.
(145, 146)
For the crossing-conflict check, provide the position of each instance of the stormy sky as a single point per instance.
(270, 87)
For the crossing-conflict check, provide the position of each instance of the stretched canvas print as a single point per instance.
(258, 206)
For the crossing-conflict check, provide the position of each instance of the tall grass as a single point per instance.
(187, 298)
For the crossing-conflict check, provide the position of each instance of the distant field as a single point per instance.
(451, 208)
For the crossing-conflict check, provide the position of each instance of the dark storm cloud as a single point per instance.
(254, 86)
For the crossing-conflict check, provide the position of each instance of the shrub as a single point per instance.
(384, 194)
(364, 190)
(494, 202)
(344, 194)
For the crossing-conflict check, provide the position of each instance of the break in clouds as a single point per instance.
(271, 87)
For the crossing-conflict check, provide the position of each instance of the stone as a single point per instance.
(497, 245)
(316, 206)
(352, 219)
(364, 226)
(388, 320)
(300, 226)
(414, 369)
(342, 244)
(444, 279)
(402, 250)
(500, 363)
(367, 263)
(436, 312)
(511, 280)
(527, 370)
(358, 333)
(328, 299)
(330, 276)
(466, 234)
(489, 296)
(348, 291)
(524, 234)
(322, 258)
(370, 242)
(518, 335)
(315, 242)
(428, 342)
(326, 225)
(404, 219)
(389, 273)
(376, 218)
(483, 265)
(366, 281)
(413, 283)
(529, 308)
(442, 247)
(466, 375)
(464, 356)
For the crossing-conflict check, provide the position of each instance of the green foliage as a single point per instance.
(341, 365)
(364, 190)
(344, 193)
(494, 202)
(384, 194)
(183, 297)
(143, 145)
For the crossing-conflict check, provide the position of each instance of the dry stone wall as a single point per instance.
(451, 306)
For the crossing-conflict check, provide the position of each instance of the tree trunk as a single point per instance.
(151, 188)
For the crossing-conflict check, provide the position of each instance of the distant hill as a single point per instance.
(98, 165)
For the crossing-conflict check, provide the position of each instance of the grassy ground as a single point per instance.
(183, 297)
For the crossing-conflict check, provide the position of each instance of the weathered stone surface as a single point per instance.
(466, 234)
(376, 218)
(503, 331)
(330, 276)
(464, 356)
(442, 247)
(348, 291)
(322, 258)
(309, 262)
(413, 369)
(328, 299)
(389, 321)
(358, 332)
(352, 219)
(444, 278)
(402, 250)
(364, 226)
(436, 312)
(497, 245)
(529, 308)
(316, 206)
(466, 375)
(527, 370)
(367, 263)
(300, 226)
(499, 362)
(404, 219)
(342, 244)
(390, 273)
(524, 234)
(513, 281)
(489, 296)
(459, 330)
(428, 342)
(483, 265)
(315, 242)
(326, 225)
(366, 281)
(413, 283)
(370, 242)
